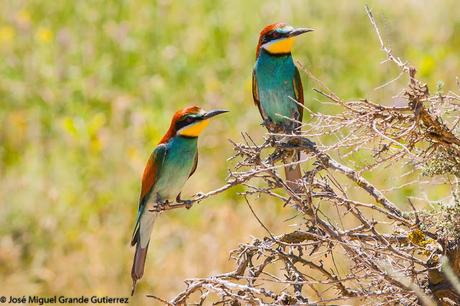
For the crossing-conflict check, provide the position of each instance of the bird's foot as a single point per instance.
(187, 203)
(164, 203)
(160, 205)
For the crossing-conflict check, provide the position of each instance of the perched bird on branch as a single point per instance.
(276, 86)
(172, 162)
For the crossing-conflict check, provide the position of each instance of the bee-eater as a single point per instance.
(171, 163)
(276, 85)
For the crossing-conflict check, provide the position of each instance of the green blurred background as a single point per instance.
(87, 88)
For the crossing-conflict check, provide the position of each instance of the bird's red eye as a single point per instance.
(189, 120)
(275, 35)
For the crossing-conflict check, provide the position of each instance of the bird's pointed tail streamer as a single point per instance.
(141, 239)
(137, 271)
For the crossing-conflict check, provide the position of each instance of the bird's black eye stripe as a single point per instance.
(271, 36)
(184, 121)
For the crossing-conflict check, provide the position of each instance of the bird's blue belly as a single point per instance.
(275, 75)
(176, 168)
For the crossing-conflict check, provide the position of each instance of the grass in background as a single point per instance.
(87, 88)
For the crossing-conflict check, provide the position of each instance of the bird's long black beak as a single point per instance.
(214, 113)
(299, 31)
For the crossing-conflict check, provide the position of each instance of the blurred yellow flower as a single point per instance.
(44, 35)
(23, 17)
(427, 65)
(69, 126)
(6, 35)
(95, 144)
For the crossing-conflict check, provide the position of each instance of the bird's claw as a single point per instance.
(187, 203)
(160, 205)
(163, 203)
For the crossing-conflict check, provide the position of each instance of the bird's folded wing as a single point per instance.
(195, 164)
(151, 173)
(298, 90)
(255, 94)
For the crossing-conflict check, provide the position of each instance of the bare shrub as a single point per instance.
(388, 255)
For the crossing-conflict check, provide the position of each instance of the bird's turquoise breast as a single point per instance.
(275, 75)
(176, 168)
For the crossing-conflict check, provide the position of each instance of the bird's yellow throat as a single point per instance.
(280, 46)
(193, 130)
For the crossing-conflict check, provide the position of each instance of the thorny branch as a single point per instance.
(375, 251)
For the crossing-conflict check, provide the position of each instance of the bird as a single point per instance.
(276, 86)
(171, 163)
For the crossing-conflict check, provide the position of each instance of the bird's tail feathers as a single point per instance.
(137, 271)
(141, 239)
(293, 173)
